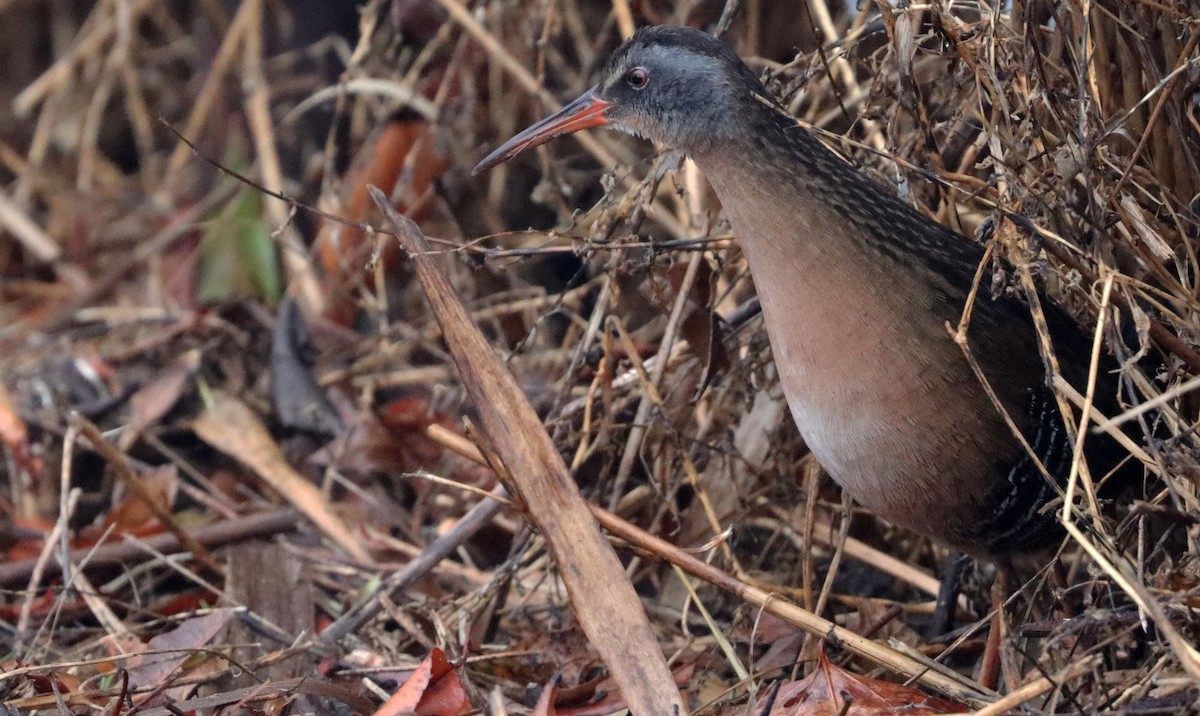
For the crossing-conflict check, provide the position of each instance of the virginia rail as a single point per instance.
(857, 289)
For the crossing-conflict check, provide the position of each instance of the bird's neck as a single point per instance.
(801, 214)
(795, 203)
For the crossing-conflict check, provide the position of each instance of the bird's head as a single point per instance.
(677, 86)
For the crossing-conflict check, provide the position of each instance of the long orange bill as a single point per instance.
(587, 111)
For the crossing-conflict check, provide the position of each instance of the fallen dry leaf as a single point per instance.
(151, 402)
(191, 634)
(299, 401)
(434, 689)
(831, 690)
(344, 250)
(53, 682)
(231, 427)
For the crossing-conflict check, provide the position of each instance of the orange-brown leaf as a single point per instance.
(16, 437)
(131, 515)
(831, 690)
(344, 250)
(434, 689)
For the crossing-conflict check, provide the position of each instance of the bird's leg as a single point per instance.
(949, 590)
(1002, 586)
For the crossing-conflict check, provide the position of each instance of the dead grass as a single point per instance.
(1070, 130)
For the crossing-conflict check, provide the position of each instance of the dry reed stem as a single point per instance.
(605, 603)
(243, 25)
(52, 542)
(218, 534)
(303, 284)
(1034, 689)
(518, 72)
(720, 533)
(650, 383)
(25, 230)
(105, 26)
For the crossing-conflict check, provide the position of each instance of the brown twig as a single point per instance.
(133, 483)
(215, 535)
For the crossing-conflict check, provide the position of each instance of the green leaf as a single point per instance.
(239, 258)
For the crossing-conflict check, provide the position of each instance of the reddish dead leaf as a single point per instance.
(131, 515)
(393, 439)
(831, 690)
(41, 605)
(191, 634)
(407, 420)
(185, 602)
(345, 250)
(25, 538)
(434, 689)
(63, 683)
(14, 434)
(322, 622)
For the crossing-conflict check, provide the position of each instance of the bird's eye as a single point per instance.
(637, 77)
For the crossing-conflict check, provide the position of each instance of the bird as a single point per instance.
(857, 290)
